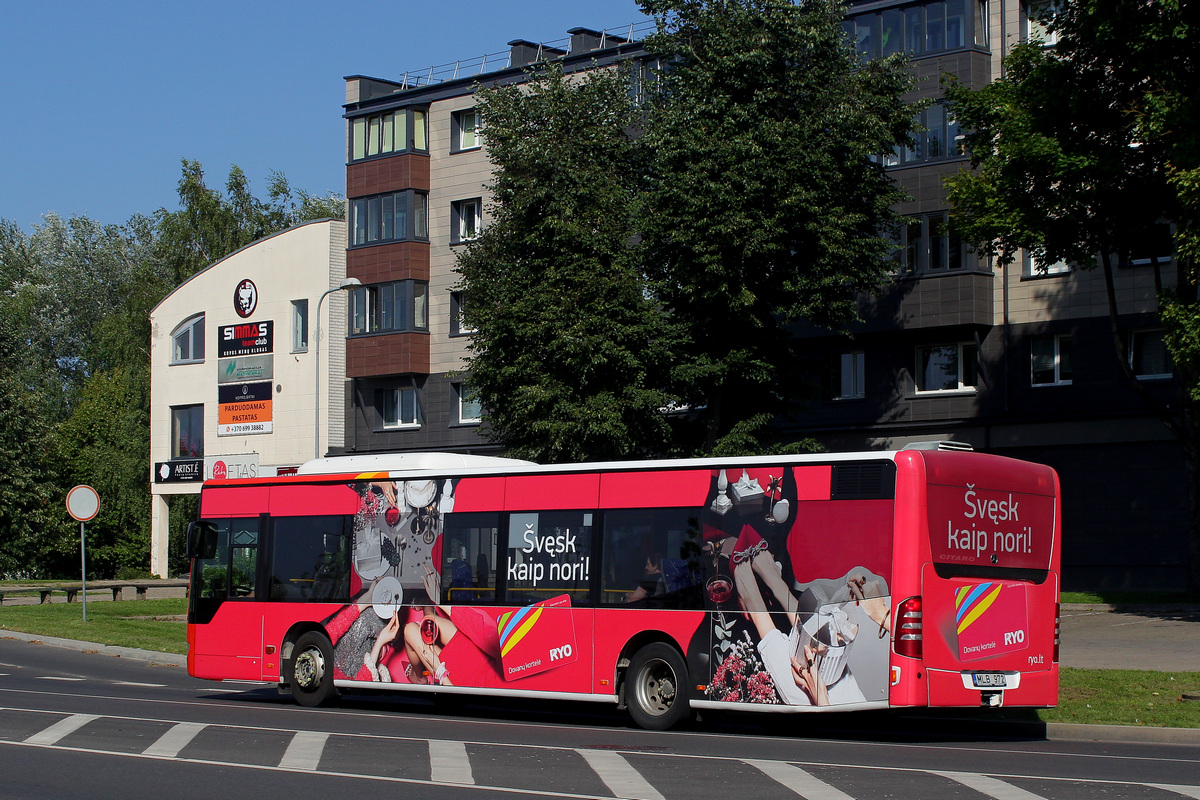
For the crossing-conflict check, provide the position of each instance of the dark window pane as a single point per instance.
(310, 559)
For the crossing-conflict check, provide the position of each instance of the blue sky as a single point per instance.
(99, 101)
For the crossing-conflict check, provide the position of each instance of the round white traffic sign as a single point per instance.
(83, 503)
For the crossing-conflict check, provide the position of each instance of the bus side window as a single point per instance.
(469, 557)
(212, 570)
(652, 558)
(310, 559)
(243, 558)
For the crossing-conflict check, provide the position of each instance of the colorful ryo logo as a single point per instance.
(990, 619)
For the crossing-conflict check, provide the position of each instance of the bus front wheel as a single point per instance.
(311, 670)
(656, 687)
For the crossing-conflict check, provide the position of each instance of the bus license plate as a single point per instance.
(989, 679)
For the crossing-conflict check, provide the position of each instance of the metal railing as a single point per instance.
(494, 62)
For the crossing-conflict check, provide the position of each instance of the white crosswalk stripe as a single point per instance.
(304, 751)
(60, 729)
(1186, 791)
(992, 787)
(797, 780)
(619, 776)
(175, 739)
(449, 763)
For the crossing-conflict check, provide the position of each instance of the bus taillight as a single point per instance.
(908, 630)
(1057, 629)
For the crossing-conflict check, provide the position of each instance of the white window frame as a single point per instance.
(964, 350)
(851, 376)
(466, 137)
(461, 389)
(398, 394)
(466, 213)
(458, 325)
(300, 325)
(1034, 267)
(1058, 379)
(1134, 338)
(193, 329)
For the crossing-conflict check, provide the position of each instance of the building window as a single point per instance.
(1035, 19)
(947, 368)
(300, 326)
(1148, 354)
(1035, 267)
(1157, 248)
(400, 407)
(387, 307)
(470, 410)
(393, 217)
(398, 131)
(464, 130)
(187, 431)
(458, 324)
(466, 218)
(927, 245)
(1051, 361)
(918, 28)
(852, 376)
(187, 341)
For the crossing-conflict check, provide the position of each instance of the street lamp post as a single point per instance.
(348, 283)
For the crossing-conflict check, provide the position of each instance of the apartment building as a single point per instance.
(1017, 361)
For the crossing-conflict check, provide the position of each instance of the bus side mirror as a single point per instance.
(201, 539)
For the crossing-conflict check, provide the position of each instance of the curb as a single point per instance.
(1134, 608)
(1073, 732)
(149, 656)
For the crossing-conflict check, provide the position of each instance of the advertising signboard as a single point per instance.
(245, 339)
(243, 408)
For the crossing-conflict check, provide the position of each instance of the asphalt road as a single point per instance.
(84, 725)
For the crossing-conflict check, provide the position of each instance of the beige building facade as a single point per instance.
(234, 387)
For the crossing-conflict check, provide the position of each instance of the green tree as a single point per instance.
(1078, 152)
(75, 297)
(210, 225)
(570, 353)
(764, 205)
(35, 539)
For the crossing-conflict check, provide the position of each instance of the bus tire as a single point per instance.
(656, 684)
(310, 672)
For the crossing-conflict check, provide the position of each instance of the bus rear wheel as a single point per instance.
(310, 672)
(656, 687)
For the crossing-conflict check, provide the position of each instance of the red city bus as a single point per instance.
(927, 576)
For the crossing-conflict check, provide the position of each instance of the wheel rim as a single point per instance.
(310, 669)
(656, 687)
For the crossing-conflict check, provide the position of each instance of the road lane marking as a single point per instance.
(60, 729)
(304, 751)
(797, 780)
(175, 739)
(143, 685)
(1000, 790)
(57, 678)
(619, 776)
(1186, 791)
(448, 762)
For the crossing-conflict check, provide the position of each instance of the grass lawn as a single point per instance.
(129, 623)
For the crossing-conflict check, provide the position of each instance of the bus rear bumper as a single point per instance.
(1029, 689)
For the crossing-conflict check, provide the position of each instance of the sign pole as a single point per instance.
(83, 504)
(83, 568)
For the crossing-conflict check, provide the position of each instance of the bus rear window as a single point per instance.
(1034, 576)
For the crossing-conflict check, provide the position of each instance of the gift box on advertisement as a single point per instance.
(536, 638)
